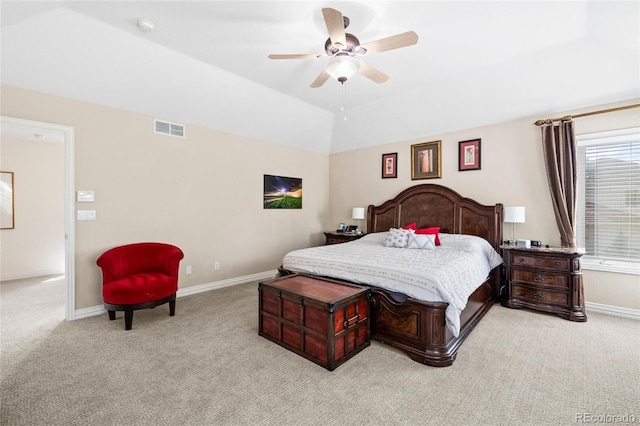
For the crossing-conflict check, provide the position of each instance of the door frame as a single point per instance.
(69, 206)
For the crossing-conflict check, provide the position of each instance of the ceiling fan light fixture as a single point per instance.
(342, 68)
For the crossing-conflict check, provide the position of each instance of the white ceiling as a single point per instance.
(205, 63)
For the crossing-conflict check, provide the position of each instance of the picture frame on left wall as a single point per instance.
(6, 201)
(281, 192)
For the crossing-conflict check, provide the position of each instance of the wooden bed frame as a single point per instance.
(418, 327)
(415, 326)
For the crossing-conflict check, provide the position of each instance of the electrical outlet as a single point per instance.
(216, 266)
(189, 270)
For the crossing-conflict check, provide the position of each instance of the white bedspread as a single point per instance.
(450, 273)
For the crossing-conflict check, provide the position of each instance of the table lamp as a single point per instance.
(513, 215)
(358, 214)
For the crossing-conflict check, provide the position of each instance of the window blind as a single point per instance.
(609, 195)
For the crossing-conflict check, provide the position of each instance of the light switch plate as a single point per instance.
(86, 215)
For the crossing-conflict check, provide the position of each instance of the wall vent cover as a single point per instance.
(167, 128)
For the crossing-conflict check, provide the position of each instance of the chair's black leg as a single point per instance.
(112, 315)
(172, 307)
(128, 318)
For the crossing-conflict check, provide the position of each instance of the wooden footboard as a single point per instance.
(419, 328)
(415, 326)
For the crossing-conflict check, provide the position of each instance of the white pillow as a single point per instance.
(398, 237)
(422, 241)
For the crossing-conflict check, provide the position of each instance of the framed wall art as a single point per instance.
(390, 165)
(6, 200)
(469, 155)
(282, 192)
(426, 160)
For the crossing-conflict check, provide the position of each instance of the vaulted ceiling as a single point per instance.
(205, 63)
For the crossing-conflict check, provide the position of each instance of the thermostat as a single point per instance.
(85, 197)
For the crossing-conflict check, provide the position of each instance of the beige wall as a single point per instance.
(202, 193)
(36, 245)
(512, 173)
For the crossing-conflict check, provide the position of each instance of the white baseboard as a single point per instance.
(91, 311)
(188, 291)
(33, 274)
(613, 310)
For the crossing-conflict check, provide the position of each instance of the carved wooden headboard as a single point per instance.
(430, 205)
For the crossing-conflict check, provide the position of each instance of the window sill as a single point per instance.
(608, 266)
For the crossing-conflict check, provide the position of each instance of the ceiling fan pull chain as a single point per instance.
(344, 97)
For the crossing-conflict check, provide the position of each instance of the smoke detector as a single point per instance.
(145, 25)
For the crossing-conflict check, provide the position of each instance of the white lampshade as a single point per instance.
(357, 213)
(513, 215)
(342, 68)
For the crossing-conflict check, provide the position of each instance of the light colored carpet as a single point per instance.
(208, 366)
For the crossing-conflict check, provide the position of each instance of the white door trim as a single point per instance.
(69, 206)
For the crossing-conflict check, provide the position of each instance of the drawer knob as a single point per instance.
(538, 296)
(521, 259)
(539, 279)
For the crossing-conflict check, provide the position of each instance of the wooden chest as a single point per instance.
(325, 321)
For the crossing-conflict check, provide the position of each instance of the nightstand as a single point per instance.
(544, 279)
(341, 237)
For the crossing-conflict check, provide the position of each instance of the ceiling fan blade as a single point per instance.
(394, 42)
(372, 73)
(321, 79)
(298, 56)
(335, 26)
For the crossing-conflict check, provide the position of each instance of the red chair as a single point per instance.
(139, 276)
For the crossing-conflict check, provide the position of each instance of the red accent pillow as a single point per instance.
(410, 226)
(433, 231)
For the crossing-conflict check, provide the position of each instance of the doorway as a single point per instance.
(66, 133)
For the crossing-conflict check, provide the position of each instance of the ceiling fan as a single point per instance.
(344, 51)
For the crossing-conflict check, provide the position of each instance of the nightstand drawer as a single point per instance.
(540, 278)
(334, 240)
(341, 237)
(540, 296)
(537, 261)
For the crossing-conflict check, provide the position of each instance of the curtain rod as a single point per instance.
(569, 117)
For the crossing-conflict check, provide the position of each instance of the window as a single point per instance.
(608, 212)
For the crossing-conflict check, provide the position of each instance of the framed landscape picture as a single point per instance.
(390, 165)
(426, 160)
(282, 192)
(469, 155)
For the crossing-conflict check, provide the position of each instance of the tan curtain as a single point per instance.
(560, 151)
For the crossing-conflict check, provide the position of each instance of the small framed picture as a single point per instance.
(426, 160)
(469, 155)
(390, 165)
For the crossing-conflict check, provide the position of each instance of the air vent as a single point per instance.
(167, 128)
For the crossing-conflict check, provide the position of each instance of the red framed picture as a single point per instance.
(390, 165)
(469, 155)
